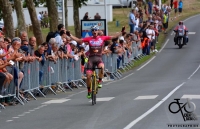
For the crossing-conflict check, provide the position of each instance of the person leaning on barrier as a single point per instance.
(39, 55)
(16, 56)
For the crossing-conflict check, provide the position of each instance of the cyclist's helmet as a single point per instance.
(95, 27)
(180, 22)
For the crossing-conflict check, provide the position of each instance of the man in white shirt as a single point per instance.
(59, 38)
(39, 17)
(151, 35)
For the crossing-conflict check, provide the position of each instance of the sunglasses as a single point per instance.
(94, 29)
(25, 44)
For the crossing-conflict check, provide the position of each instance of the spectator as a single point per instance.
(137, 21)
(150, 7)
(31, 48)
(180, 7)
(86, 17)
(150, 33)
(39, 54)
(171, 3)
(60, 28)
(132, 20)
(39, 17)
(16, 56)
(97, 16)
(59, 38)
(165, 22)
(23, 35)
(7, 42)
(175, 7)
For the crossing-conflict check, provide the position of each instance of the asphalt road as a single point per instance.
(140, 100)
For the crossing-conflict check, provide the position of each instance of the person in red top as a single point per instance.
(175, 3)
(96, 44)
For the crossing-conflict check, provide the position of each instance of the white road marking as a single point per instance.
(56, 101)
(21, 115)
(172, 33)
(164, 45)
(130, 125)
(194, 72)
(9, 120)
(31, 110)
(26, 112)
(191, 32)
(15, 117)
(191, 17)
(190, 97)
(103, 99)
(146, 63)
(127, 76)
(146, 97)
(119, 79)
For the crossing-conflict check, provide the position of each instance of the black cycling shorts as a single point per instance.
(94, 61)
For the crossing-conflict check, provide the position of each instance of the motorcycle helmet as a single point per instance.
(180, 22)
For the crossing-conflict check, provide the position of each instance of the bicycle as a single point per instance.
(93, 86)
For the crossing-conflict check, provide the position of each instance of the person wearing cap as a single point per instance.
(96, 44)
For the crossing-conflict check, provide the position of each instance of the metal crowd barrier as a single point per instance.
(12, 91)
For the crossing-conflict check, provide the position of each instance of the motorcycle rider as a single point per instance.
(181, 30)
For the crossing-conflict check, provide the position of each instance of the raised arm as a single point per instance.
(79, 41)
(118, 34)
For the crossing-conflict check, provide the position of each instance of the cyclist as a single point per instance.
(96, 44)
(181, 30)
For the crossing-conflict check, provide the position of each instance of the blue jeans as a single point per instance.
(146, 50)
(132, 27)
(40, 76)
(119, 59)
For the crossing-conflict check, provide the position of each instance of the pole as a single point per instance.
(160, 3)
(63, 12)
(105, 8)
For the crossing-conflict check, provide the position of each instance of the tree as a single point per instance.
(53, 14)
(77, 4)
(20, 15)
(66, 15)
(35, 23)
(6, 9)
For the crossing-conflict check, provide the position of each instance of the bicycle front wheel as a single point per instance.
(93, 90)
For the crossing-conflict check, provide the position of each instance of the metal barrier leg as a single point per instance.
(60, 86)
(19, 100)
(23, 99)
(40, 92)
(117, 75)
(52, 90)
(2, 106)
(84, 84)
(32, 95)
(68, 86)
(74, 82)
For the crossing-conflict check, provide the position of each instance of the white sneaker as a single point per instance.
(153, 51)
(156, 50)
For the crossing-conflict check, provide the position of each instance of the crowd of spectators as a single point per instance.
(144, 33)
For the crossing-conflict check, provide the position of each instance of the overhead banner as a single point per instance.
(87, 24)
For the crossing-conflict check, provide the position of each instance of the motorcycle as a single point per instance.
(179, 38)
